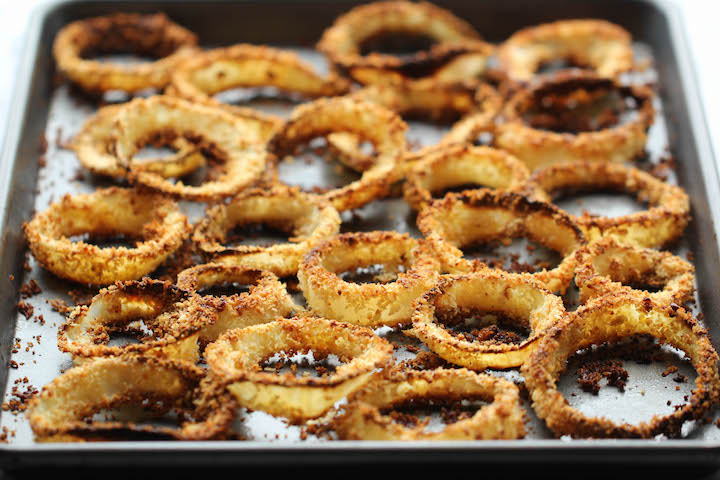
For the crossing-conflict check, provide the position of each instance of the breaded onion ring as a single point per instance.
(118, 211)
(235, 356)
(539, 147)
(370, 122)
(60, 411)
(503, 418)
(477, 106)
(92, 147)
(661, 224)
(608, 266)
(309, 218)
(457, 297)
(266, 300)
(153, 35)
(199, 78)
(480, 216)
(235, 140)
(162, 312)
(610, 319)
(599, 45)
(343, 41)
(367, 304)
(456, 165)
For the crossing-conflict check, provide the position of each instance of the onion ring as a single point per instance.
(202, 76)
(164, 310)
(93, 142)
(661, 224)
(517, 296)
(609, 319)
(59, 412)
(266, 300)
(155, 219)
(456, 165)
(503, 419)
(237, 141)
(608, 266)
(602, 46)
(235, 356)
(478, 216)
(369, 121)
(539, 147)
(366, 304)
(154, 35)
(310, 218)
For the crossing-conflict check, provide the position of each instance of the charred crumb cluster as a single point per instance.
(369, 335)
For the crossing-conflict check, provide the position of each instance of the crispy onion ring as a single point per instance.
(503, 418)
(153, 35)
(599, 45)
(92, 147)
(59, 412)
(661, 224)
(608, 266)
(367, 304)
(155, 219)
(370, 122)
(539, 147)
(516, 296)
(199, 78)
(610, 319)
(234, 357)
(479, 216)
(477, 105)
(309, 218)
(343, 41)
(266, 300)
(235, 140)
(137, 306)
(456, 165)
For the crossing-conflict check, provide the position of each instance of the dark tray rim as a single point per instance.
(256, 452)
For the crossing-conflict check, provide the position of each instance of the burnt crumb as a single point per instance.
(491, 334)
(590, 375)
(27, 267)
(25, 309)
(30, 289)
(423, 361)
(59, 305)
(679, 378)
(690, 256)
(13, 364)
(320, 430)
(83, 295)
(21, 393)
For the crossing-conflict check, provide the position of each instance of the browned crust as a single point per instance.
(661, 224)
(439, 224)
(367, 304)
(145, 34)
(114, 210)
(609, 319)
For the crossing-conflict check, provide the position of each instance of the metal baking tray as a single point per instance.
(47, 112)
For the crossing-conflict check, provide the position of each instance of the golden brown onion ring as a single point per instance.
(604, 47)
(163, 313)
(92, 147)
(310, 219)
(539, 147)
(456, 165)
(60, 411)
(661, 224)
(458, 297)
(367, 304)
(608, 266)
(266, 300)
(199, 78)
(368, 121)
(235, 356)
(112, 211)
(481, 216)
(150, 35)
(235, 140)
(610, 319)
(503, 418)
